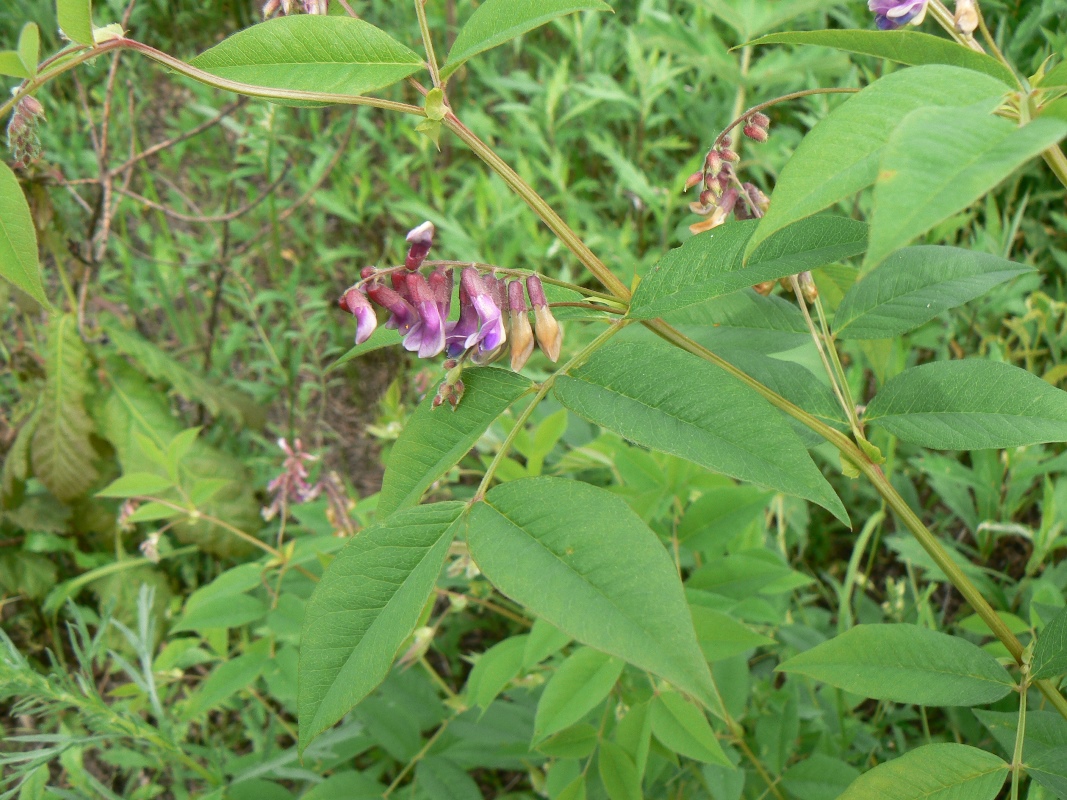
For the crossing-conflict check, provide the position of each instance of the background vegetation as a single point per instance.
(200, 242)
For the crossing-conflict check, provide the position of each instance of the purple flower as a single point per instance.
(357, 304)
(466, 327)
(480, 320)
(403, 316)
(427, 335)
(441, 281)
(421, 239)
(892, 14)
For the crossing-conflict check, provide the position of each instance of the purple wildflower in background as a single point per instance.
(892, 14)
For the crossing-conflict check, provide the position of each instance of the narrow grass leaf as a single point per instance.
(914, 285)
(365, 607)
(578, 686)
(936, 164)
(18, 239)
(434, 439)
(906, 664)
(933, 772)
(335, 55)
(971, 404)
(497, 21)
(709, 417)
(579, 557)
(841, 155)
(711, 264)
(905, 47)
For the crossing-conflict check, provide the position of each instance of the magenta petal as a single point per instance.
(491, 330)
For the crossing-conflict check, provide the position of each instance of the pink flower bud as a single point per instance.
(755, 133)
(712, 163)
(357, 304)
(760, 119)
(729, 155)
(546, 328)
(693, 180)
(421, 239)
(521, 334)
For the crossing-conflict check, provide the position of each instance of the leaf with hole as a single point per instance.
(710, 417)
(971, 404)
(577, 556)
(914, 285)
(906, 664)
(497, 21)
(364, 609)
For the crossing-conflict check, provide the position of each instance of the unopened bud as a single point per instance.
(520, 333)
(966, 17)
(693, 180)
(546, 328)
(421, 239)
(713, 162)
(708, 197)
(729, 155)
(760, 119)
(755, 133)
(729, 199)
(807, 287)
(764, 288)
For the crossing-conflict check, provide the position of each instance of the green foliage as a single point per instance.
(18, 240)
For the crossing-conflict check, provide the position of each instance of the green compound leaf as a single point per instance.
(711, 264)
(905, 47)
(62, 454)
(579, 557)
(906, 664)
(933, 772)
(916, 284)
(936, 164)
(364, 609)
(710, 417)
(841, 155)
(76, 20)
(310, 53)
(434, 439)
(582, 681)
(1050, 653)
(498, 21)
(18, 239)
(683, 728)
(971, 404)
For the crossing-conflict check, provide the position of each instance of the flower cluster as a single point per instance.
(722, 192)
(22, 131)
(892, 14)
(493, 313)
(284, 7)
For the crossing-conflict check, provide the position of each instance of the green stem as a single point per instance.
(853, 417)
(417, 758)
(1020, 733)
(846, 406)
(544, 389)
(427, 43)
(553, 220)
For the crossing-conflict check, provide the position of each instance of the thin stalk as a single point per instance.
(427, 43)
(520, 421)
(989, 36)
(741, 117)
(1020, 733)
(543, 210)
(417, 758)
(836, 358)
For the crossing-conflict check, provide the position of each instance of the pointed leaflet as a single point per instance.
(1050, 653)
(364, 608)
(18, 239)
(840, 156)
(61, 453)
(29, 47)
(936, 164)
(970, 405)
(336, 55)
(582, 681)
(933, 772)
(434, 439)
(906, 664)
(76, 20)
(710, 265)
(683, 728)
(666, 399)
(496, 21)
(906, 47)
(579, 557)
(916, 284)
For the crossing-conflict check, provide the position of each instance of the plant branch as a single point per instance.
(427, 43)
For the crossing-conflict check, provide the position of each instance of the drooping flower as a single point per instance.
(403, 316)
(464, 328)
(357, 304)
(427, 335)
(522, 336)
(441, 282)
(491, 333)
(549, 334)
(892, 14)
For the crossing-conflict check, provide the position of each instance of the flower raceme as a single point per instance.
(493, 314)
